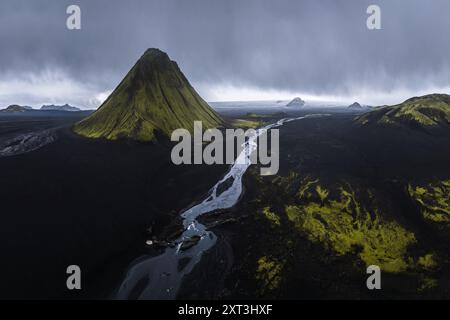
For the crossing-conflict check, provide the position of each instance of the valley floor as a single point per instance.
(345, 197)
(86, 202)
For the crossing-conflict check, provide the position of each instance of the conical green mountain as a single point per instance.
(154, 97)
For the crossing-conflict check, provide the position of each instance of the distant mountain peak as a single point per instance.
(355, 105)
(153, 97)
(296, 102)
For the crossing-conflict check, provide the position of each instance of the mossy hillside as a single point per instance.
(344, 225)
(153, 97)
(427, 111)
(433, 200)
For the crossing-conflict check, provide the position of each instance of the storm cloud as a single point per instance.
(228, 49)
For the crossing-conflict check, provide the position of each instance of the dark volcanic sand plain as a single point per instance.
(85, 202)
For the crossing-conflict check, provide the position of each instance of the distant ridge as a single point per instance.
(65, 107)
(153, 97)
(16, 108)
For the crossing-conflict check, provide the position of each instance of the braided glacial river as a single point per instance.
(160, 277)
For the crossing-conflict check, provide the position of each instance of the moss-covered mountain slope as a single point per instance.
(154, 97)
(426, 111)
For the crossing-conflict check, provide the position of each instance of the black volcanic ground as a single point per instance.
(373, 162)
(89, 202)
(85, 202)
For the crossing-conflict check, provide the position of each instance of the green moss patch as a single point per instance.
(428, 262)
(342, 224)
(434, 201)
(271, 216)
(269, 273)
(246, 124)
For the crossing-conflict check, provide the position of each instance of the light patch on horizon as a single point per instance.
(55, 87)
(49, 87)
(366, 96)
(228, 92)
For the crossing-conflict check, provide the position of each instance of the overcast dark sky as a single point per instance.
(229, 49)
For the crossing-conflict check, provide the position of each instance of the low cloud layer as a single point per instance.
(229, 49)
